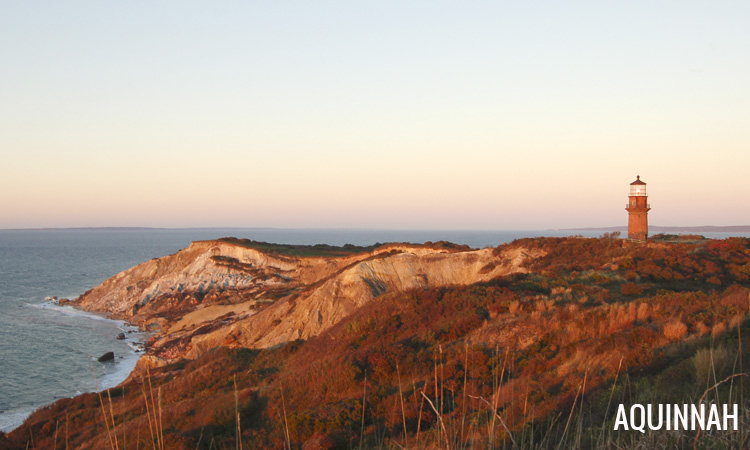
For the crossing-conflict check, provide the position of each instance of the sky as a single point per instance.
(388, 114)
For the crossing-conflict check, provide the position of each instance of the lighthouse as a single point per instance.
(638, 209)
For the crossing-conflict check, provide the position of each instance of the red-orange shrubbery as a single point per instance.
(675, 330)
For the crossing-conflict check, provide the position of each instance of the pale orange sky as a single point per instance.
(482, 116)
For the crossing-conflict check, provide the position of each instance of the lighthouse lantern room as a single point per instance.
(638, 209)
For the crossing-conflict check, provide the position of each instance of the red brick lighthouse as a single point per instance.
(638, 209)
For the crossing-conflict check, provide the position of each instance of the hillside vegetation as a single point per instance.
(537, 357)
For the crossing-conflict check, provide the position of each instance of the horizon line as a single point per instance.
(706, 228)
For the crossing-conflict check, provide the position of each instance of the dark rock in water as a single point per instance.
(63, 301)
(109, 356)
(121, 336)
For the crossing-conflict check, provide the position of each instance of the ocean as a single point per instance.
(49, 352)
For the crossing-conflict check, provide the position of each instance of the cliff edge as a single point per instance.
(238, 293)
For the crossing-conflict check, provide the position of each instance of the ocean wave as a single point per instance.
(12, 419)
(74, 312)
(127, 354)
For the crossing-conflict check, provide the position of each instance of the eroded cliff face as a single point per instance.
(217, 293)
(205, 273)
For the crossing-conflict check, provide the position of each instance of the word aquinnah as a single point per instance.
(676, 417)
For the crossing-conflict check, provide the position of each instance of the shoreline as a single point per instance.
(116, 371)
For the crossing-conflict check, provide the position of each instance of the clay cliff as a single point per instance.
(232, 293)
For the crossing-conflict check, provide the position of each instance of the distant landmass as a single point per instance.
(132, 228)
(696, 229)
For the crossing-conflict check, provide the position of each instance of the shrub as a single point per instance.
(643, 311)
(675, 330)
